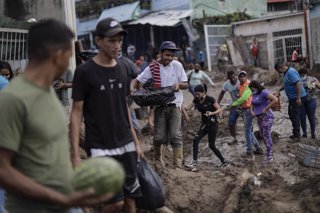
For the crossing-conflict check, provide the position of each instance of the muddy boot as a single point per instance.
(258, 151)
(158, 156)
(177, 157)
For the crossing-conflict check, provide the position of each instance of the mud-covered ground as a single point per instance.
(246, 185)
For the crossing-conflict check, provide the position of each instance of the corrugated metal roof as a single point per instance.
(126, 12)
(86, 26)
(278, 1)
(122, 13)
(163, 18)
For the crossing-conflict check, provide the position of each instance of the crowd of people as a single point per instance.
(36, 158)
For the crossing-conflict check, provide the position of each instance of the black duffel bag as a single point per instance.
(153, 97)
(153, 194)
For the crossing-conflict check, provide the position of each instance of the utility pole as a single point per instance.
(305, 17)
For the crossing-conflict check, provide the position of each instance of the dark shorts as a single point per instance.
(131, 187)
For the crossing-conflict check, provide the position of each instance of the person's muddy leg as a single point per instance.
(200, 134)
(212, 134)
(233, 117)
(266, 126)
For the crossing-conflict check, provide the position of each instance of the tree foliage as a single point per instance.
(220, 20)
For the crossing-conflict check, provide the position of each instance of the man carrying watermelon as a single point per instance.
(100, 89)
(166, 72)
(36, 171)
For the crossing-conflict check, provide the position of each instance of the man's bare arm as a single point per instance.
(75, 123)
(14, 181)
(220, 96)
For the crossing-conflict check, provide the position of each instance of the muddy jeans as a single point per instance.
(167, 125)
(248, 131)
(310, 106)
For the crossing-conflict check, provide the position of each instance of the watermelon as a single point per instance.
(103, 174)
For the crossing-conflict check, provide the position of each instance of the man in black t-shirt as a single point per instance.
(100, 89)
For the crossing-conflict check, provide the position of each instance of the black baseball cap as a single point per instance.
(169, 45)
(109, 27)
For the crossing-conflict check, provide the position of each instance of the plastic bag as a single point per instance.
(153, 195)
(153, 97)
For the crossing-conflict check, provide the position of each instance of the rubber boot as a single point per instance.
(177, 157)
(158, 155)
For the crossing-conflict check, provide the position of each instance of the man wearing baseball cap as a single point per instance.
(100, 89)
(166, 72)
(243, 103)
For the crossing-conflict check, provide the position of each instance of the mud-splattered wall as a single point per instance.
(38, 9)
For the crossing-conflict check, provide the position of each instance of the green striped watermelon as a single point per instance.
(103, 174)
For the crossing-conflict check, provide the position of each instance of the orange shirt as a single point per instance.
(242, 88)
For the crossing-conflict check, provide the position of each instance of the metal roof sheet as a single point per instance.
(122, 13)
(85, 27)
(126, 12)
(163, 18)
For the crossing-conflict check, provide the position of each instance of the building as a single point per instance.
(123, 13)
(27, 9)
(284, 6)
(13, 36)
(166, 20)
(277, 36)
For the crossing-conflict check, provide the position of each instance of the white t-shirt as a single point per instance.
(232, 89)
(170, 74)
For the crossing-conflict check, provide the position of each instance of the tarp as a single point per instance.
(163, 18)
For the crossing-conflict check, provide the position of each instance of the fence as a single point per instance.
(284, 42)
(215, 36)
(13, 47)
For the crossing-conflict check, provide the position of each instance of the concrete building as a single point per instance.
(26, 9)
(13, 40)
(277, 36)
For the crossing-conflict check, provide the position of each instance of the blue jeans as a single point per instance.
(75, 210)
(233, 117)
(309, 110)
(294, 112)
(251, 140)
(1, 200)
(191, 90)
(135, 121)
